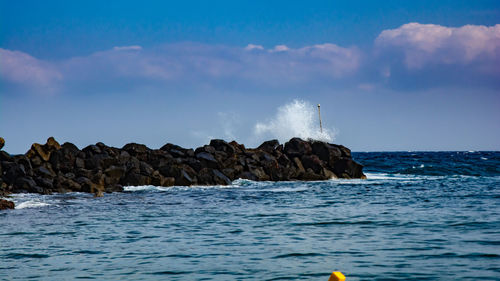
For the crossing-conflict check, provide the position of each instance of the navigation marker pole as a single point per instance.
(319, 114)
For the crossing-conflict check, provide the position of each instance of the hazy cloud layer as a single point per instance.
(408, 56)
(20, 68)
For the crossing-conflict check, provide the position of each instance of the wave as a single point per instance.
(31, 204)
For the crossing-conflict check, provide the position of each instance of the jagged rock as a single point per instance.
(45, 150)
(184, 179)
(207, 160)
(6, 204)
(115, 172)
(99, 168)
(297, 147)
(4, 156)
(326, 151)
(27, 184)
(220, 178)
(313, 162)
(135, 179)
(270, 146)
(348, 168)
(136, 150)
(221, 145)
(299, 165)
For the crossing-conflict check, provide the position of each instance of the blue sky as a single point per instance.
(390, 75)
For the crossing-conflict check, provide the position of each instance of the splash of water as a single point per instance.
(296, 119)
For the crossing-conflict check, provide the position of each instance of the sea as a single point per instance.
(418, 216)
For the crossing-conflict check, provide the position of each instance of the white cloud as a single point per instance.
(424, 44)
(280, 48)
(21, 68)
(250, 47)
(128, 48)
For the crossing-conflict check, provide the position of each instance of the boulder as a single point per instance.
(270, 146)
(348, 168)
(297, 147)
(221, 145)
(45, 150)
(313, 162)
(135, 149)
(326, 152)
(207, 160)
(2, 142)
(220, 178)
(26, 184)
(184, 179)
(6, 204)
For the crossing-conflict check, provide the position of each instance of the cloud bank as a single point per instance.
(411, 53)
(434, 44)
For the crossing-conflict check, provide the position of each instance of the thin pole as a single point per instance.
(319, 114)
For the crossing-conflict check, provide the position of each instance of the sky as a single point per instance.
(389, 75)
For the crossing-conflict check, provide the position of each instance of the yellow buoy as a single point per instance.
(337, 276)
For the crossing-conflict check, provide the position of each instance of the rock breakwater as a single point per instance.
(98, 168)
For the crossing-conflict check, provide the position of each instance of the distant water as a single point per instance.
(418, 216)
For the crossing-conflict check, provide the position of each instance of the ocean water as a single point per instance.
(418, 216)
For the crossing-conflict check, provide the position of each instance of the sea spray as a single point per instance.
(296, 119)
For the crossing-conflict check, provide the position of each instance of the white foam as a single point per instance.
(31, 204)
(144, 187)
(296, 119)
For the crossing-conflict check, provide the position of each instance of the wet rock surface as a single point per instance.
(51, 167)
(6, 204)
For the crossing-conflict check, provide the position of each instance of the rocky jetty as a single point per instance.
(98, 168)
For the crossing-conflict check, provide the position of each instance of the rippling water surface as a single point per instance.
(418, 216)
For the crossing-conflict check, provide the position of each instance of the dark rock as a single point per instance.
(299, 165)
(221, 145)
(135, 179)
(193, 163)
(269, 146)
(310, 175)
(258, 172)
(206, 177)
(312, 162)
(92, 150)
(113, 188)
(42, 171)
(249, 176)
(6, 204)
(220, 178)
(168, 181)
(4, 156)
(348, 168)
(145, 169)
(135, 149)
(25, 162)
(115, 172)
(99, 168)
(13, 172)
(27, 184)
(207, 160)
(79, 163)
(45, 183)
(184, 179)
(297, 147)
(326, 152)
(62, 184)
(206, 148)
(2, 142)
